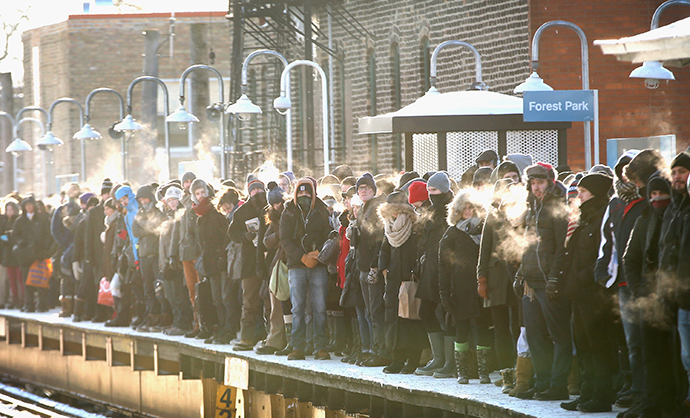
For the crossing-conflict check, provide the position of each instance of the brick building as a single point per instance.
(378, 69)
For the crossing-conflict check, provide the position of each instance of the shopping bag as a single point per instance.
(105, 295)
(408, 302)
(39, 273)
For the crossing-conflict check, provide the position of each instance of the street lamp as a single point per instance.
(244, 107)
(182, 117)
(18, 145)
(653, 71)
(88, 133)
(535, 83)
(478, 83)
(129, 124)
(282, 104)
(51, 138)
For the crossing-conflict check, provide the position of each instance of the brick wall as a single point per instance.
(627, 108)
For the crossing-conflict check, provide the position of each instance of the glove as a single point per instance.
(122, 234)
(173, 263)
(519, 285)
(136, 264)
(77, 270)
(551, 288)
(4, 238)
(482, 287)
(373, 276)
(447, 303)
(310, 260)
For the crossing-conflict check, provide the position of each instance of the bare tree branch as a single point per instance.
(9, 29)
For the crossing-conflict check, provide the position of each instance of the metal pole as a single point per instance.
(221, 94)
(657, 13)
(585, 75)
(596, 126)
(87, 117)
(16, 135)
(81, 123)
(477, 63)
(288, 115)
(324, 97)
(14, 157)
(331, 84)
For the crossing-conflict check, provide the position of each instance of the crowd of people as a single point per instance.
(569, 284)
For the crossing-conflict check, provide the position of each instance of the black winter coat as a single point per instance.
(682, 297)
(458, 255)
(299, 234)
(34, 234)
(94, 226)
(493, 263)
(238, 233)
(210, 228)
(546, 225)
(6, 258)
(370, 236)
(146, 227)
(641, 258)
(582, 250)
(434, 227)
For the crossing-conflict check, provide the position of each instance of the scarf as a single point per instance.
(398, 229)
(203, 206)
(626, 191)
(472, 227)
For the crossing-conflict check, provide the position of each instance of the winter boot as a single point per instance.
(523, 374)
(448, 369)
(412, 361)
(78, 310)
(288, 336)
(574, 379)
(507, 380)
(337, 345)
(483, 365)
(461, 365)
(67, 304)
(437, 356)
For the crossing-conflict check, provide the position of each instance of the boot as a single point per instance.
(337, 346)
(67, 304)
(288, 348)
(483, 366)
(437, 356)
(574, 379)
(78, 310)
(448, 369)
(523, 375)
(507, 380)
(461, 367)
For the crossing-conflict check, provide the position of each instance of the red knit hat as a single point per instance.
(417, 192)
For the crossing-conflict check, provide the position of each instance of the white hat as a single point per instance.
(173, 192)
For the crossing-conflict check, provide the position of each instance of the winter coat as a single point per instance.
(146, 227)
(300, 233)
(79, 250)
(432, 231)
(6, 258)
(669, 243)
(168, 241)
(682, 296)
(186, 230)
(213, 241)
(582, 250)
(93, 245)
(370, 237)
(238, 233)
(546, 225)
(128, 217)
(493, 263)
(34, 234)
(108, 244)
(269, 240)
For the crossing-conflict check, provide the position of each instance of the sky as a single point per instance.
(46, 12)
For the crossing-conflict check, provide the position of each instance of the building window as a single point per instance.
(425, 61)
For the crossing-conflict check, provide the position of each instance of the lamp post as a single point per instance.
(182, 116)
(46, 143)
(244, 107)
(128, 125)
(478, 83)
(18, 145)
(653, 71)
(51, 137)
(88, 133)
(283, 103)
(535, 83)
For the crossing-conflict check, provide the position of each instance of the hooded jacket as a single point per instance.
(211, 229)
(238, 233)
(147, 224)
(7, 260)
(434, 226)
(300, 232)
(132, 209)
(32, 235)
(546, 225)
(370, 236)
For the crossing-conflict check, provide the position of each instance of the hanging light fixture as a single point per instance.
(652, 72)
(532, 83)
(128, 124)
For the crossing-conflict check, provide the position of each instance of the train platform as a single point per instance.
(140, 371)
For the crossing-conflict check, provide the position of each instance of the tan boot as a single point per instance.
(523, 375)
(67, 304)
(574, 379)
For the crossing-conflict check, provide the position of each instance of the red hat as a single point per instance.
(417, 192)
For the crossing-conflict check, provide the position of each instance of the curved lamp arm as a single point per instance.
(87, 114)
(186, 72)
(583, 47)
(251, 56)
(657, 13)
(64, 100)
(28, 119)
(477, 61)
(31, 108)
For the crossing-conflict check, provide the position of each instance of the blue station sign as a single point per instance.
(558, 106)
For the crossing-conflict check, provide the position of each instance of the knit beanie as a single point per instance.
(188, 175)
(397, 197)
(253, 182)
(106, 186)
(173, 192)
(601, 168)
(440, 181)
(681, 160)
(341, 172)
(147, 191)
(417, 192)
(507, 167)
(275, 193)
(367, 179)
(598, 184)
(84, 197)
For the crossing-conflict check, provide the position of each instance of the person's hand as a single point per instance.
(482, 287)
(518, 285)
(310, 259)
(373, 276)
(173, 263)
(552, 288)
(604, 280)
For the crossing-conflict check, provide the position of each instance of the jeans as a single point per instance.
(552, 357)
(251, 308)
(376, 313)
(313, 284)
(633, 338)
(684, 332)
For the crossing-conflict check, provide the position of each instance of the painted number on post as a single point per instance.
(226, 402)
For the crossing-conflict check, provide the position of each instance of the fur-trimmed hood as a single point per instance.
(388, 210)
(456, 207)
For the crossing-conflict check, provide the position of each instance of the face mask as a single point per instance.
(437, 199)
(304, 203)
(259, 199)
(661, 203)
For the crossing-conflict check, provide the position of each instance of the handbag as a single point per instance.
(116, 286)
(331, 250)
(39, 273)
(408, 302)
(105, 294)
(279, 284)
